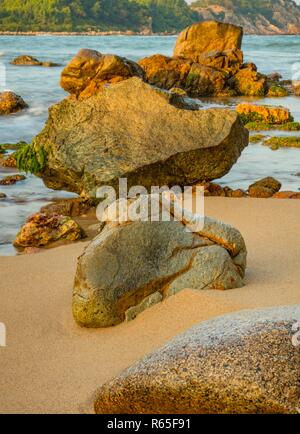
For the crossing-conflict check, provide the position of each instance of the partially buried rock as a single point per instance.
(43, 229)
(264, 188)
(11, 103)
(287, 195)
(239, 363)
(89, 71)
(26, 60)
(131, 130)
(128, 267)
(211, 189)
(12, 179)
(2, 196)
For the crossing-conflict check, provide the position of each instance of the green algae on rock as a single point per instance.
(239, 363)
(263, 126)
(30, 159)
(256, 138)
(275, 115)
(283, 142)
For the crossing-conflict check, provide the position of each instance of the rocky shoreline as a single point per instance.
(92, 33)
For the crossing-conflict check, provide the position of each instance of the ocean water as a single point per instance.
(40, 89)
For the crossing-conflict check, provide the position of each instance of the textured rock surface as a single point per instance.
(11, 103)
(131, 130)
(247, 81)
(42, 230)
(197, 80)
(127, 263)
(239, 363)
(229, 61)
(208, 36)
(89, 71)
(264, 188)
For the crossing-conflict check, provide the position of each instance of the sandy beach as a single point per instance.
(51, 365)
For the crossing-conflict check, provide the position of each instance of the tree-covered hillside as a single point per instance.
(102, 15)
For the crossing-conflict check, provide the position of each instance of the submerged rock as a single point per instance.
(130, 130)
(2, 196)
(131, 265)
(272, 115)
(246, 362)
(26, 60)
(89, 71)
(44, 229)
(8, 161)
(264, 188)
(276, 143)
(12, 179)
(11, 103)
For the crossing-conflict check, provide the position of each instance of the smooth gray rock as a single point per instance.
(127, 263)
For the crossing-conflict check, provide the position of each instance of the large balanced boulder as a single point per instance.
(11, 103)
(133, 264)
(207, 37)
(89, 71)
(132, 130)
(247, 362)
